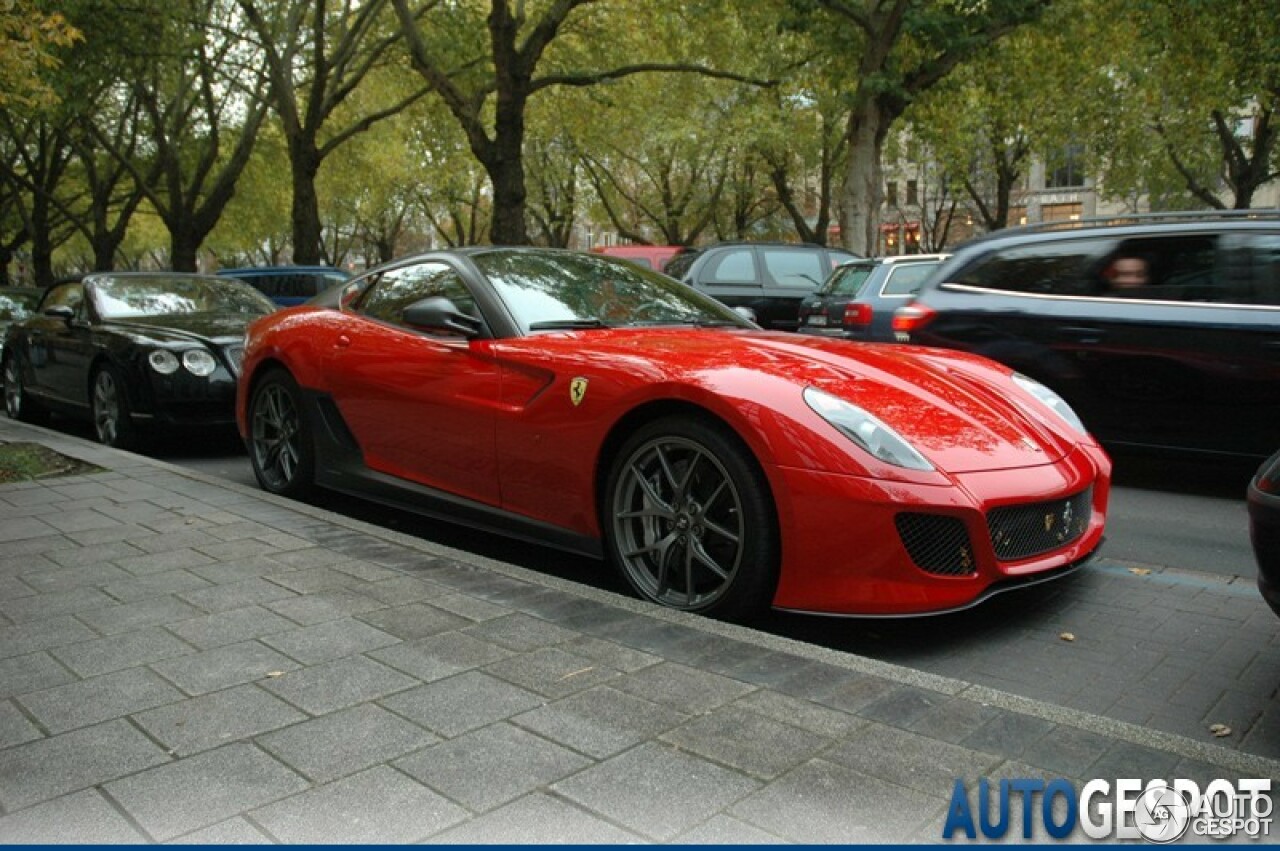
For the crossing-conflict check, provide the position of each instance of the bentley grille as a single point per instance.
(937, 543)
(235, 356)
(1023, 531)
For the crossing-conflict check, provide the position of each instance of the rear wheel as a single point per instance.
(280, 445)
(112, 422)
(17, 404)
(689, 521)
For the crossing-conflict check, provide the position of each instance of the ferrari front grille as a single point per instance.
(938, 544)
(1023, 531)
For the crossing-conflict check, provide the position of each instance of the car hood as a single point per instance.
(964, 413)
(220, 329)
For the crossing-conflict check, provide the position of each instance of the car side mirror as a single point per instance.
(60, 311)
(440, 314)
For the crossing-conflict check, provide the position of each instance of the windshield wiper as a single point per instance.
(567, 324)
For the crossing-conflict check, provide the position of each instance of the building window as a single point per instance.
(891, 193)
(912, 194)
(1066, 169)
(1060, 212)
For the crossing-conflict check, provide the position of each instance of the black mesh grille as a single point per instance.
(1023, 531)
(936, 543)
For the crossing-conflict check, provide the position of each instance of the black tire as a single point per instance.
(109, 407)
(17, 404)
(689, 521)
(280, 445)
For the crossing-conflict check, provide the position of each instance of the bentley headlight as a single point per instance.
(163, 361)
(1051, 399)
(199, 362)
(865, 430)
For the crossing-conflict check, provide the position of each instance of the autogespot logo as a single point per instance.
(1158, 811)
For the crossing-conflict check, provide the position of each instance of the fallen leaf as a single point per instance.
(1220, 730)
(575, 673)
(1068, 636)
(1140, 571)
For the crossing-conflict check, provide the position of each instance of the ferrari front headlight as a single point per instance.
(865, 430)
(1051, 400)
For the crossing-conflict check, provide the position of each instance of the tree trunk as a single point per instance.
(863, 183)
(506, 172)
(304, 166)
(184, 247)
(41, 242)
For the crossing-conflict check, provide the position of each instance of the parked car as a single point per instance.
(289, 285)
(129, 349)
(1162, 332)
(588, 403)
(857, 301)
(1264, 528)
(16, 304)
(651, 256)
(769, 279)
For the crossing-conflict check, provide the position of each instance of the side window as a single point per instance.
(1060, 267)
(66, 295)
(1251, 265)
(1172, 268)
(736, 266)
(801, 270)
(398, 288)
(906, 279)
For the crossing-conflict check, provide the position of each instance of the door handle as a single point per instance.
(1081, 334)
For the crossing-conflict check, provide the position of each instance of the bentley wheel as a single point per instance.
(689, 520)
(112, 423)
(16, 402)
(280, 446)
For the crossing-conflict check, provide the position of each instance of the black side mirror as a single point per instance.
(440, 314)
(61, 311)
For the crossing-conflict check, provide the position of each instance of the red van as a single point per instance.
(653, 256)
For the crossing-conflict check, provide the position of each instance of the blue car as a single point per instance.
(289, 285)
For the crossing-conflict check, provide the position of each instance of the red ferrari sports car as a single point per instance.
(590, 404)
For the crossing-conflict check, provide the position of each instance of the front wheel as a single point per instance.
(689, 520)
(280, 445)
(112, 422)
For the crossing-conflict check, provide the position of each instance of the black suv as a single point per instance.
(769, 278)
(1162, 331)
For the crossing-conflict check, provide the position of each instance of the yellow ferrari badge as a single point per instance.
(577, 391)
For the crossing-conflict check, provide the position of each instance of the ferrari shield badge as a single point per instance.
(577, 391)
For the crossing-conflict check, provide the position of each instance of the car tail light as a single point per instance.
(912, 317)
(1268, 477)
(857, 314)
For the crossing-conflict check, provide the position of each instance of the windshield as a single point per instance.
(545, 290)
(126, 297)
(847, 280)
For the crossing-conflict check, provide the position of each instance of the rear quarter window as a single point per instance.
(905, 280)
(736, 266)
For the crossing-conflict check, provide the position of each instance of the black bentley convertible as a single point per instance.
(129, 349)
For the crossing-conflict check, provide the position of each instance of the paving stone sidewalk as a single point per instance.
(187, 660)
